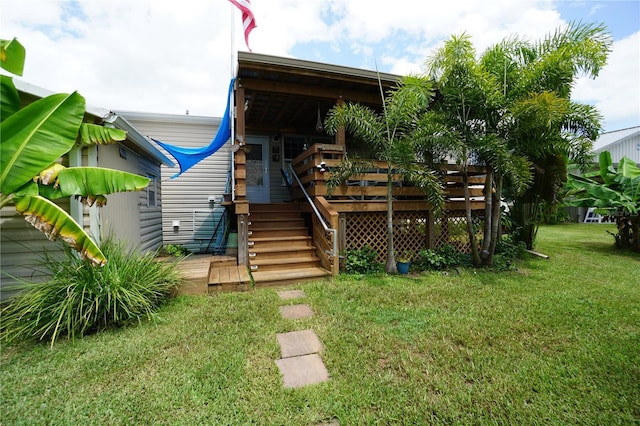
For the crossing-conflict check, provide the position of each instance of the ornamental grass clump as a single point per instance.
(81, 299)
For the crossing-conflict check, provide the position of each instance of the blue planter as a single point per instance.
(403, 267)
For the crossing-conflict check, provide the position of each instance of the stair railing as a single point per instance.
(334, 232)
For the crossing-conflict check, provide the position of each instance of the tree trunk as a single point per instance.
(635, 230)
(496, 220)
(391, 267)
(488, 216)
(470, 231)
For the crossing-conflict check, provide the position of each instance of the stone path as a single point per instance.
(300, 363)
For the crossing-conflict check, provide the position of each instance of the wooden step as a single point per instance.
(284, 252)
(292, 276)
(278, 232)
(260, 207)
(229, 275)
(300, 241)
(289, 215)
(283, 264)
(276, 222)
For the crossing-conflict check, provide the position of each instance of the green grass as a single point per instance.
(555, 342)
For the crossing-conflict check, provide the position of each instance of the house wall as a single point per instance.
(22, 248)
(186, 198)
(134, 217)
(628, 147)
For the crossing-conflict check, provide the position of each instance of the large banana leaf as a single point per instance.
(12, 55)
(55, 223)
(37, 135)
(92, 134)
(92, 181)
(9, 98)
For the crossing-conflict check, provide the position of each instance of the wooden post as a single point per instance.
(430, 237)
(243, 235)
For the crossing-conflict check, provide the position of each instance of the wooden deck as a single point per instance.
(207, 274)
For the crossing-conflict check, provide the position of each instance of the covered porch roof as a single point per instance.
(283, 95)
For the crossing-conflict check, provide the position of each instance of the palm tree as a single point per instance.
(465, 125)
(541, 122)
(391, 137)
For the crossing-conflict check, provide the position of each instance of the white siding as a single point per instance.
(621, 143)
(629, 148)
(22, 248)
(186, 198)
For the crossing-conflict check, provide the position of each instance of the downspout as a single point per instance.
(75, 204)
(94, 212)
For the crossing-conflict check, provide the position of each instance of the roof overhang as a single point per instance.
(284, 95)
(138, 141)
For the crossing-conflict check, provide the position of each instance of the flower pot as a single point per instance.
(403, 267)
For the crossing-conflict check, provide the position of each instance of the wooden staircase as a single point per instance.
(280, 248)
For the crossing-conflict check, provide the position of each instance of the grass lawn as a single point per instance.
(555, 342)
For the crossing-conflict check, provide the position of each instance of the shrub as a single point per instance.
(80, 298)
(507, 249)
(174, 250)
(438, 259)
(362, 261)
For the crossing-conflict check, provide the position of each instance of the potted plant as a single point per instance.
(403, 262)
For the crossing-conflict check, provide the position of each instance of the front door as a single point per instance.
(257, 150)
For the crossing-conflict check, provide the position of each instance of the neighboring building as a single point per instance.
(620, 143)
(134, 217)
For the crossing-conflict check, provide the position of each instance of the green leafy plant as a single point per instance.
(612, 191)
(362, 261)
(34, 138)
(174, 250)
(405, 256)
(80, 299)
(443, 258)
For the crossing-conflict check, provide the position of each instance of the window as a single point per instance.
(152, 190)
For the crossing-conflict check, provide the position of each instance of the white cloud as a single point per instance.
(167, 56)
(616, 91)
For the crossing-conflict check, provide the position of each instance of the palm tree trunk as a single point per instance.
(488, 215)
(470, 231)
(496, 218)
(391, 267)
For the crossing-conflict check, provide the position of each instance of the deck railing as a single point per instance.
(323, 213)
(368, 190)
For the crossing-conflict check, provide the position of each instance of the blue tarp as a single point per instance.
(189, 157)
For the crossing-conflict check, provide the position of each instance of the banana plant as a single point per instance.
(34, 138)
(614, 191)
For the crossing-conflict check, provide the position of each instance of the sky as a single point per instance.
(175, 57)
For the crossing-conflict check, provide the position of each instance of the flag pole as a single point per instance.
(232, 108)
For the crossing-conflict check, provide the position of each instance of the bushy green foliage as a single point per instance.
(362, 261)
(174, 250)
(438, 259)
(80, 298)
(507, 250)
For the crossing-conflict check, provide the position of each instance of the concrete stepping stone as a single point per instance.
(303, 370)
(296, 311)
(297, 343)
(291, 294)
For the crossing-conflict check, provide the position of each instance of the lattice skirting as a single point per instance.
(411, 231)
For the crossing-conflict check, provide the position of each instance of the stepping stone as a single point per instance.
(297, 343)
(291, 294)
(302, 370)
(296, 311)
